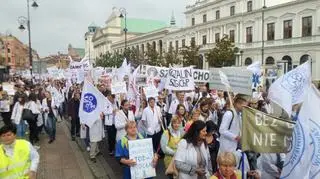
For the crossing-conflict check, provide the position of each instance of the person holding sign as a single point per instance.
(122, 149)
(122, 117)
(192, 158)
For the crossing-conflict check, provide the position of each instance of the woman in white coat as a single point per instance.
(16, 116)
(192, 158)
(122, 117)
(96, 134)
(50, 110)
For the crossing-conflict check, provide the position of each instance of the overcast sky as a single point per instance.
(56, 23)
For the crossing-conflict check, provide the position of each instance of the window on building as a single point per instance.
(9, 60)
(249, 6)
(204, 18)
(9, 50)
(217, 37)
(183, 42)
(217, 14)
(270, 31)
(193, 21)
(307, 26)
(231, 35)
(287, 29)
(177, 45)
(193, 41)
(204, 40)
(232, 11)
(249, 34)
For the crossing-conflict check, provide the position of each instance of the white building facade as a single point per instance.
(280, 36)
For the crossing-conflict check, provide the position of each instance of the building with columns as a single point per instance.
(281, 35)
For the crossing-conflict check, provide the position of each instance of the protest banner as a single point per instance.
(118, 87)
(263, 133)
(180, 79)
(201, 76)
(240, 79)
(142, 152)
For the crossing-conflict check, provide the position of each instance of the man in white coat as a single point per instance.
(151, 119)
(109, 122)
(231, 126)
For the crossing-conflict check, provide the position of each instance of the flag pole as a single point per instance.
(242, 164)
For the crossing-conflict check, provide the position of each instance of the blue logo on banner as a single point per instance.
(90, 102)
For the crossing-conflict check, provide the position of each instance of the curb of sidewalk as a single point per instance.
(101, 169)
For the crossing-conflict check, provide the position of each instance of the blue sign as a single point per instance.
(89, 103)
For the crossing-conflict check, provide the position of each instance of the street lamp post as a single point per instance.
(26, 21)
(123, 14)
(262, 47)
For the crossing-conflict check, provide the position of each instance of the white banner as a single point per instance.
(142, 152)
(118, 87)
(240, 79)
(180, 79)
(200, 76)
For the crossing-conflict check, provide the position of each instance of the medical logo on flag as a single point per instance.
(294, 83)
(296, 150)
(315, 136)
(90, 102)
(152, 72)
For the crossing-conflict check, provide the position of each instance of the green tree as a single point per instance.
(223, 54)
(190, 55)
(171, 57)
(109, 60)
(153, 57)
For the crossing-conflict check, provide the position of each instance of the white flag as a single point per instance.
(290, 88)
(91, 105)
(314, 124)
(255, 67)
(123, 70)
(306, 141)
(224, 79)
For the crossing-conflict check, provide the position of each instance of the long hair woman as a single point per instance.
(192, 158)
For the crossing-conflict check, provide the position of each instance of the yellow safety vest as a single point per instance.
(17, 166)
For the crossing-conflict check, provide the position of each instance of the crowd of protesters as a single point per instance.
(197, 134)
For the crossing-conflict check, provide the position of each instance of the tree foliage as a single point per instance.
(223, 54)
(109, 60)
(171, 57)
(190, 55)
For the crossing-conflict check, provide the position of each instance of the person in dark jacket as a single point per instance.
(74, 104)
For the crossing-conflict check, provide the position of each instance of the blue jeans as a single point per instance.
(21, 129)
(51, 127)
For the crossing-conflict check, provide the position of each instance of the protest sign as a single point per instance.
(263, 133)
(150, 91)
(142, 152)
(240, 79)
(9, 88)
(180, 79)
(118, 87)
